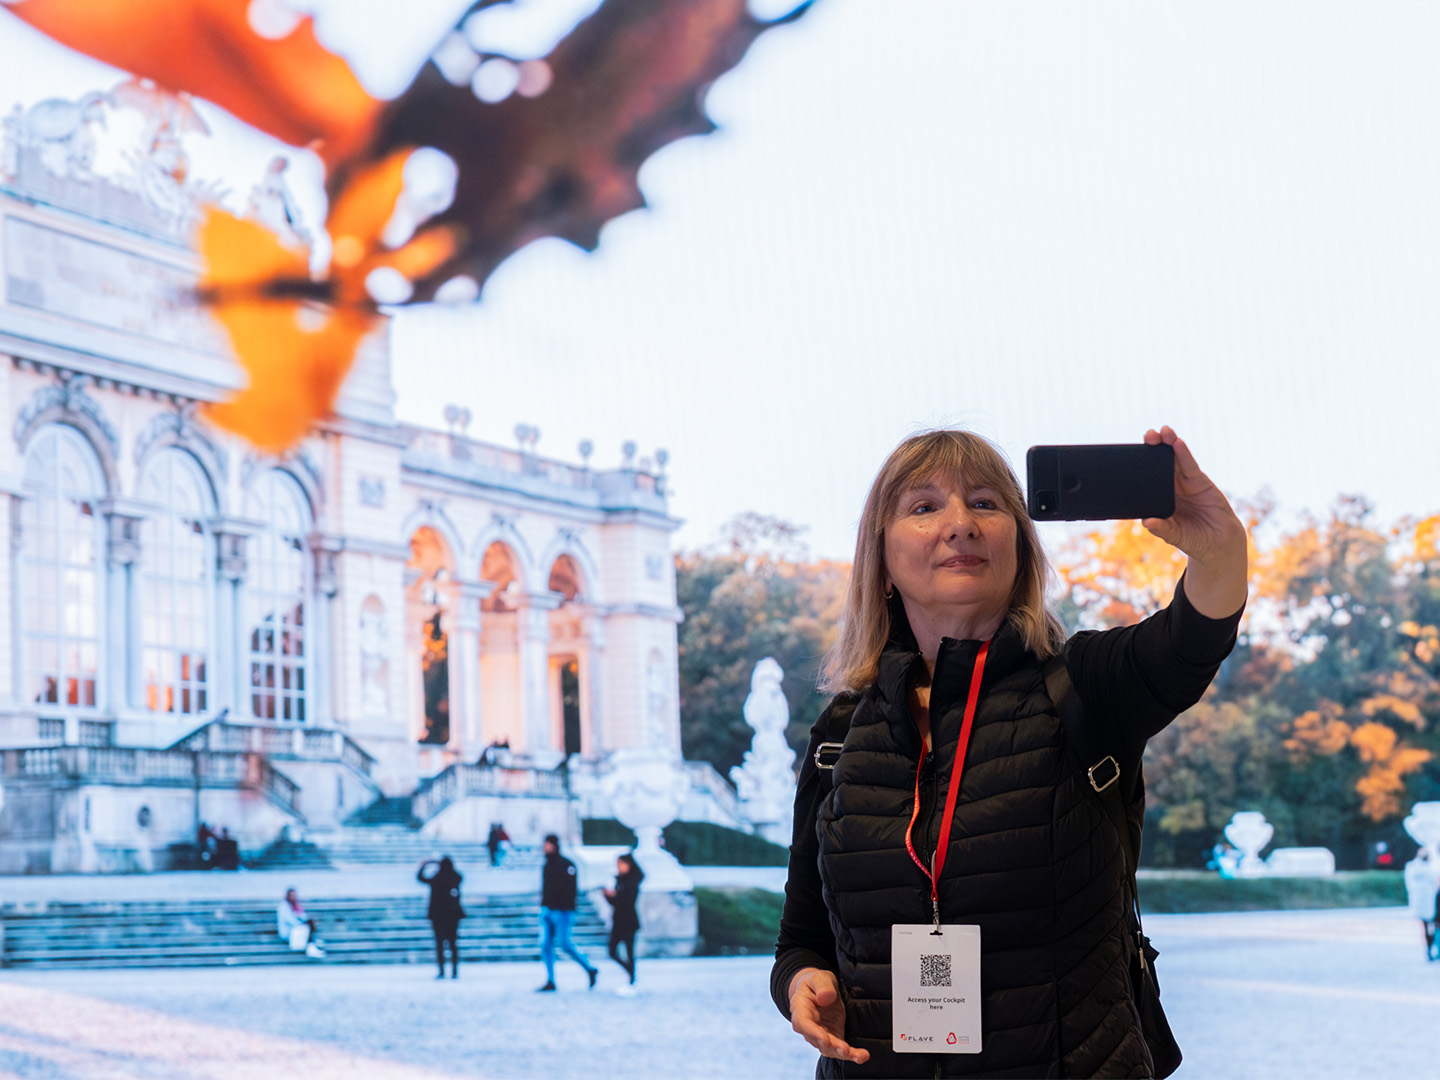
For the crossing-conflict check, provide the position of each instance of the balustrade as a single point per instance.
(459, 781)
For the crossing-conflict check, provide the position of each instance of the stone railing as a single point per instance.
(135, 766)
(460, 454)
(705, 780)
(293, 743)
(460, 781)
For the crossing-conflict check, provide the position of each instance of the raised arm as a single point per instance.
(1206, 529)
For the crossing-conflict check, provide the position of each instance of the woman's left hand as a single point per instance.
(1206, 529)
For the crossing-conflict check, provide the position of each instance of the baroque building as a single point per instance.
(199, 632)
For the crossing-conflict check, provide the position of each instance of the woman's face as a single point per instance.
(950, 550)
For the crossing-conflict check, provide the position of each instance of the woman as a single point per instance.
(625, 922)
(297, 928)
(945, 616)
(445, 911)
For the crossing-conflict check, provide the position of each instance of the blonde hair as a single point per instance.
(853, 662)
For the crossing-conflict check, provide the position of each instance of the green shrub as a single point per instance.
(737, 922)
(1185, 891)
(695, 843)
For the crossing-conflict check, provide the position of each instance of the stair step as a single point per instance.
(187, 933)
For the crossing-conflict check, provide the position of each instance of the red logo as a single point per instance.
(950, 1038)
(902, 1036)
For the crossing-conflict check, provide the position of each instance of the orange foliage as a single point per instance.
(1299, 556)
(1427, 539)
(295, 352)
(1319, 731)
(1128, 569)
(293, 87)
(1390, 762)
(1405, 710)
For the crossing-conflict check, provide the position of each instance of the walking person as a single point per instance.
(497, 843)
(558, 889)
(445, 911)
(625, 921)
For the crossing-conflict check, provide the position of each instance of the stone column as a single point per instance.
(17, 599)
(534, 615)
(122, 670)
(467, 699)
(321, 639)
(592, 685)
(229, 681)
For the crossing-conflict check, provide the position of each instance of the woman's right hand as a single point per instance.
(818, 1014)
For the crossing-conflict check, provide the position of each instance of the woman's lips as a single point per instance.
(963, 560)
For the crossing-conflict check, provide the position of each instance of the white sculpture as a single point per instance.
(63, 133)
(272, 204)
(374, 698)
(1249, 831)
(1422, 873)
(646, 789)
(766, 779)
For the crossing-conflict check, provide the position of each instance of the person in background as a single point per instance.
(1422, 891)
(297, 928)
(445, 911)
(497, 843)
(558, 890)
(625, 922)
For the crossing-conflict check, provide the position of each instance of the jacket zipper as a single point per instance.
(927, 810)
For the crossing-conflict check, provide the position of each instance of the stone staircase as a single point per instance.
(196, 933)
(368, 847)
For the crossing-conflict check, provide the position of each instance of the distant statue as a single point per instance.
(374, 698)
(62, 133)
(272, 204)
(162, 169)
(1422, 873)
(766, 780)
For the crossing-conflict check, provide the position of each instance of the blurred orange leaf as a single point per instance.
(290, 86)
(295, 353)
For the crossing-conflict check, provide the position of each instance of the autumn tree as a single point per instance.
(753, 595)
(1323, 718)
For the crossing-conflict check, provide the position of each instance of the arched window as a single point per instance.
(61, 536)
(278, 586)
(176, 584)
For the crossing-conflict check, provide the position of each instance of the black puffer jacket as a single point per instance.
(1032, 859)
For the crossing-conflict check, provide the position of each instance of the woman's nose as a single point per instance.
(959, 521)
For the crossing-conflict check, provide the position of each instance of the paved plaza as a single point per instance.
(1275, 994)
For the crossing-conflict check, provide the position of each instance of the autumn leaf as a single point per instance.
(563, 161)
(559, 157)
(296, 353)
(288, 85)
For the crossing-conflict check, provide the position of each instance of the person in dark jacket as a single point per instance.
(558, 890)
(625, 921)
(445, 911)
(939, 668)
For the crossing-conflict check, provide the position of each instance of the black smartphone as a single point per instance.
(1100, 482)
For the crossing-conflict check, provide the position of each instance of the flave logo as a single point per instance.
(919, 1038)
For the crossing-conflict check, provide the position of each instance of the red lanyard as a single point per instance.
(938, 861)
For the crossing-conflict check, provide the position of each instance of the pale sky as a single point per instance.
(1049, 221)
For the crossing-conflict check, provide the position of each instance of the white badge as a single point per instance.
(935, 988)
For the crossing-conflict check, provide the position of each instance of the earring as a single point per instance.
(890, 592)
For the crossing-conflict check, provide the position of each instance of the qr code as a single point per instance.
(934, 970)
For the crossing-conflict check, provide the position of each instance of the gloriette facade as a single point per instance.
(291, 638)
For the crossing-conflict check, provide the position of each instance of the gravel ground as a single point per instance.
(1267, 995)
